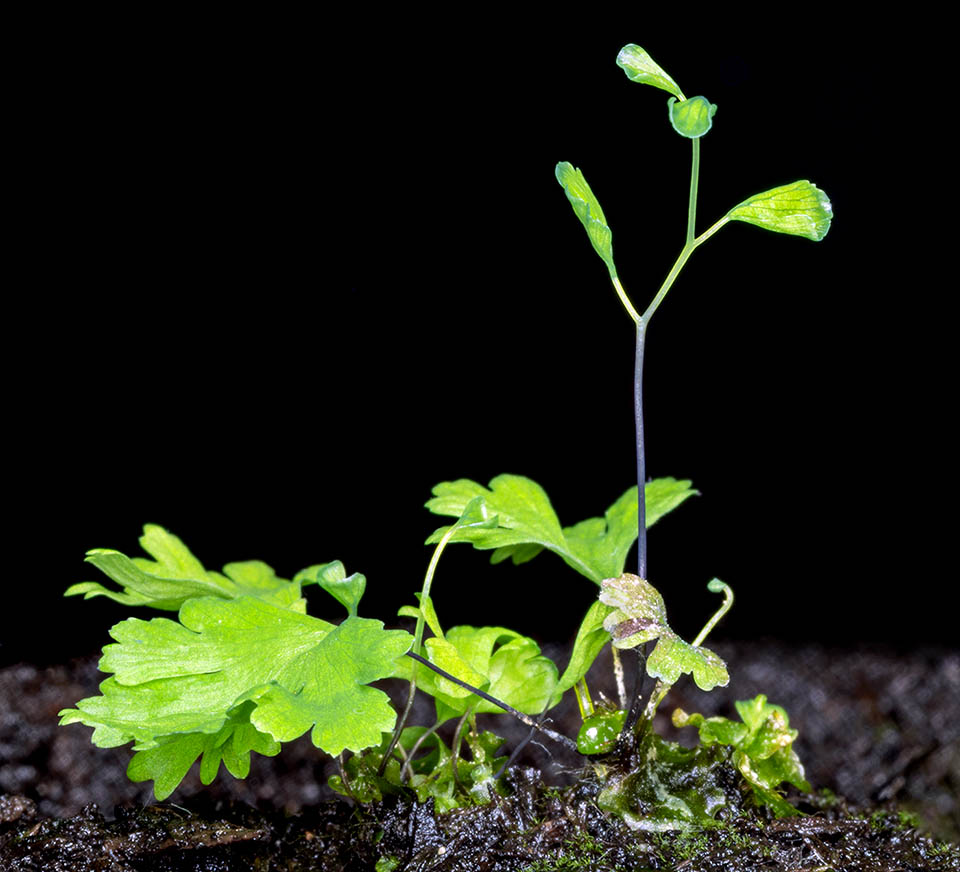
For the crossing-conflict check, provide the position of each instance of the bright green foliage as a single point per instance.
(672, 657)
(597, 547)
(762, 748)
(168, 763)
(431, 774)
(640, 67)
(591, 637)
(333, 578)
(240, 671)
(639, 615)
(494, 659)
(800, 209)
(175, 575)
(599, 732)
(587, 208)
(691, 118)
(244, 668)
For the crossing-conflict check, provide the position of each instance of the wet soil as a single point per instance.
(880, 728)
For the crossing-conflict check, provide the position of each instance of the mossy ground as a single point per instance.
(877, 727)
(535, 829)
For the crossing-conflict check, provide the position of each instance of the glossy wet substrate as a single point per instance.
(880, 727)
(535, 828)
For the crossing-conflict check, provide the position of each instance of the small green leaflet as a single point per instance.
(672, 657)
(244, 672)
(640, 67)
(800, 209)
(638, 615)
(763, 748)
(587, 209)
(599, 733)
(691, 118)
(591, 637)
(332, 577)
(175, 576)
(596, 548)
(494, 659)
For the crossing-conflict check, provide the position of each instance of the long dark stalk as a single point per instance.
(520, 716)
(641, 453)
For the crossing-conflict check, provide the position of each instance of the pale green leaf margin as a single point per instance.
(640, 67)
(799, 209)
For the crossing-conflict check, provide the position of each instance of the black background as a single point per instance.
(278, 277)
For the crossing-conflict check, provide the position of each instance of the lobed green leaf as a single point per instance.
(799, 209)
(587, 209)
(640, 67)
(638, 615)
(168, 763)
(229, 666)
(672, 657)
(497, 660)
(527, 523)
(175, 575)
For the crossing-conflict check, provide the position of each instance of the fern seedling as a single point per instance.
(244, 668)
(630, 611)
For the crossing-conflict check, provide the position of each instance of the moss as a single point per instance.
(660, 786)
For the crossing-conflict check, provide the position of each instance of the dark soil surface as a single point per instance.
(880, 728)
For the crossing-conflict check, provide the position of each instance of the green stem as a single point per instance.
(584, 702)
(425, 592)
(457, 739)
(661, 689)
(716, 586)
(622, 294)
(406, 771)
(691, 242)
(418, 638)
(694, 184)
(618, 675)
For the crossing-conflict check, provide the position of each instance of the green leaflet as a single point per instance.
(639, 615)
(596, 548)
(599, 733)
(799, 209)
(591, 637)
(640, 67)
(168, 763)
(232, 666)
(332, 577)
(175, 575)
(587, 209)
(499, 661)
(762, 748)
(672, 657)
(691, 118)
